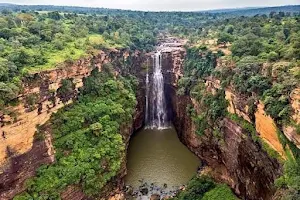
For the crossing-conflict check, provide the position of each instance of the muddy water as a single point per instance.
(157, 156)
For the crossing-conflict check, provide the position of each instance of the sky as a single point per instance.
(161, 5)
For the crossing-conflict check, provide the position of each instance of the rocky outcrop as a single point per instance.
(235, 159)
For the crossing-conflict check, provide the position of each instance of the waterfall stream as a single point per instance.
(147, 98)
(156, 113)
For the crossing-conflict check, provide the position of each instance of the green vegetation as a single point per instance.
(289, 182)
(213, 109)
(34, 41)
(204, 188)
(87, 139)
(199, 64)
(220, 192)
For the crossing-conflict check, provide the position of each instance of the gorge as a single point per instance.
(238, 160)
(108, 104)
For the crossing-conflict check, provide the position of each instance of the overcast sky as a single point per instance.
(161, 5)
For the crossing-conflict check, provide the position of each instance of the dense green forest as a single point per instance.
(36, 41)
(264, 46)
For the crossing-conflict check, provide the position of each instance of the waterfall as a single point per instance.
(157, 108)
(147, 98)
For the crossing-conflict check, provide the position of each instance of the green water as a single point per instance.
(157, 156)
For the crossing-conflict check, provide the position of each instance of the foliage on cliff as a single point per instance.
(263, 65)
(204, 188)
(87, 139)
(266, 52)
(200, 63)
(290, 181)
(33, 41)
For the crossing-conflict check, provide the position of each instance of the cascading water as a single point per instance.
(156, 115)
(147, 98)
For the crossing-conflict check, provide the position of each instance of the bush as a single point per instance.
(220, 192)
(204, 188)
(277, 103)
(196, 189)
(273, 56)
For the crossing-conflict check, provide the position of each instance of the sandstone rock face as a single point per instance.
(264, 124)
(237, 160)
(21, 153)
(237, 105)
(267, 129)
(22, 167)
(19, 131)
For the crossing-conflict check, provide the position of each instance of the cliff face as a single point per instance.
(236, 159)
(19, 127)
(22, 153)
(264, 124)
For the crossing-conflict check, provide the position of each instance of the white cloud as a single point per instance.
(159, 5)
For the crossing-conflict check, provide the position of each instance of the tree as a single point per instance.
(249, 45)
(54, 15)
(224, 38)
(273, 56)
(286, 33)
(7, 70)
(230, 29)
(8, 92)
(67, 90)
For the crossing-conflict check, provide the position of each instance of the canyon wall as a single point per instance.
(23, 150)
(235, 159)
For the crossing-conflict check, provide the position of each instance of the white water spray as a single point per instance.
(157, 113)
(147, 98)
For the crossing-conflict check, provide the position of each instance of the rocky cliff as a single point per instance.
(236, 159)
(23, 151)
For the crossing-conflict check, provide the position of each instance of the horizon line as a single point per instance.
(204, 10)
